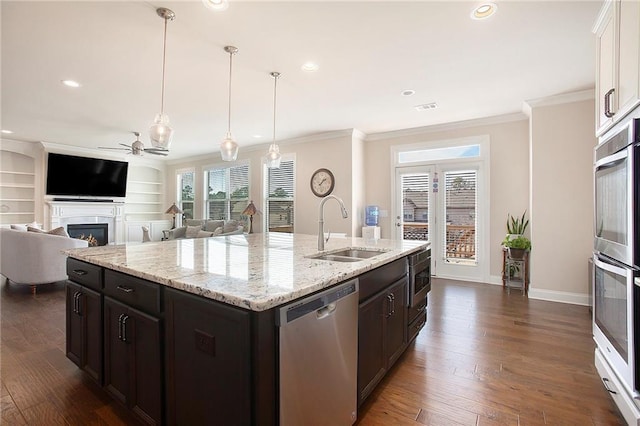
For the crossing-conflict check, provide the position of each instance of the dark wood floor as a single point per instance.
(484, 358)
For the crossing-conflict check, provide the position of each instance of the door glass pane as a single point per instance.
(611, 193)
(460, 216)
(187, 195)
(436, 154)
(415, 206)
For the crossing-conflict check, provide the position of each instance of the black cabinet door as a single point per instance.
(84, 329)
(133, 359)
(396, 321)
(116, 350)
(371, 344)
(145, 366)
(208, 362)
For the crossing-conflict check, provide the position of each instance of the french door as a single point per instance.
(440, 203)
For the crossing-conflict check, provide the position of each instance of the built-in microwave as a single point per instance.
(617, 175)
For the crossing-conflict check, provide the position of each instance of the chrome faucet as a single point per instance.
(345, 215)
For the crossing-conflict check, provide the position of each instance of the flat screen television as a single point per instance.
(71, 176)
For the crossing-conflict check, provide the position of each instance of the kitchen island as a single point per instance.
(190, 324)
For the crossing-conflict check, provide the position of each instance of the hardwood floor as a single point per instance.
(484, 358)
(488, 358)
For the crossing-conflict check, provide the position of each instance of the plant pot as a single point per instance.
(517, 253)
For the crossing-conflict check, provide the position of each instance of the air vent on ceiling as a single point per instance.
(425, 107)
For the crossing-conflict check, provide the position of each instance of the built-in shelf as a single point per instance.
(143, 193)
(145, 199)
(145, 182)
(17, 188)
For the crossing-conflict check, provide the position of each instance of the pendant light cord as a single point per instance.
(230, 69)
(164, 58)
(275, 88)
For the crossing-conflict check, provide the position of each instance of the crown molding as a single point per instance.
(564, 98)
(485, 121)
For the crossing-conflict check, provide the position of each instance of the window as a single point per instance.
(461, 204)
(280, 196)
(186, 194)
(436, 154)
(227, 192)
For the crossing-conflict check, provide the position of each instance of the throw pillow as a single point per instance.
(204, 234)
(32, 229)
(212, 225)
(217, 232)
(192, 231)
(60, 231)
(19, 227)
(230, 226)
(194, 222)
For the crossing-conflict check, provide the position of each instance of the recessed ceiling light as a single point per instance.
(408, 92)
(217, 5)
(257, 136)
(70, 83)
(6, 132)
(310, 67)
(484, 10)
(425, 107)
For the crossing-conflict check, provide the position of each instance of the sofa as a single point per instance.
(34, 258)
(204, 228)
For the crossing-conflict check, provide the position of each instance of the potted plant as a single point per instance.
(515, 241)
(517, 246)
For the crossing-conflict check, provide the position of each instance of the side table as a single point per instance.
(519, 266)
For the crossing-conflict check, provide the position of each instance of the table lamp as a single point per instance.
(174, 210)
(250, 210)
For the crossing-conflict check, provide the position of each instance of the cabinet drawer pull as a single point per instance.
(125, 289)
(80, 272)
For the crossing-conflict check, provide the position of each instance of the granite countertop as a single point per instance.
(256, 271)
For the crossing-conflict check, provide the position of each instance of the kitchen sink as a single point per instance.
(347, 255)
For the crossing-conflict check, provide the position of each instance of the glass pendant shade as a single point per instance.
(229, 148)
(274, 157)
(160, 132)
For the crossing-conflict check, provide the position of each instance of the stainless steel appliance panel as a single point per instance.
(613, 313)
(419, 277)
(319, 358)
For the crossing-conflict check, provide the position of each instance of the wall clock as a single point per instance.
(322, 182)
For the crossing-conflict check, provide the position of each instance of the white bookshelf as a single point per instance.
(17, 188)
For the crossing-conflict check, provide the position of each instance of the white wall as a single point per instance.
(562, 142)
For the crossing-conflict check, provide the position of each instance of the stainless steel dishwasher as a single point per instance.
(319, 358)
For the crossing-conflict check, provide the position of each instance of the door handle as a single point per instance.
(393, 303)
(326, 311)
(120, 332)
(605, 382)
(124, 328)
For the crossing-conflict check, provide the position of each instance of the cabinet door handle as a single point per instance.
(125, 289)
(80, 272)
(393, 303)
(605, 382)
(120, 333)
(77, 302)
(607, 103)
(124, 328)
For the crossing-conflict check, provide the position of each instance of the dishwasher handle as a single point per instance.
(326, 311)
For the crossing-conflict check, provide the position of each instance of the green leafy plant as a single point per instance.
(520, 242)
(517, 225)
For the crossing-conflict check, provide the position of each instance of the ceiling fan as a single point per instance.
(137, 148)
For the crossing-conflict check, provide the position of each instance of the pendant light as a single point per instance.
(274, 156)
(229, 147)
(160, 132)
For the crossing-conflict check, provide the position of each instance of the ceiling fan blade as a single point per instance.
(118, 149)
(158, 152)
(124, 144)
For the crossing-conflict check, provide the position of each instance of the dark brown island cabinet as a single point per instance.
(175, 358)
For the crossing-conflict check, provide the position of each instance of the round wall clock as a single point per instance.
(322, 182)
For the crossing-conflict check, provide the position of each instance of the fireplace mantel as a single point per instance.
(63, 213)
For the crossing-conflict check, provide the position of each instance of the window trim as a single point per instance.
(178, 177)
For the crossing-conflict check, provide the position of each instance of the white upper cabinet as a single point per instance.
(618, 61)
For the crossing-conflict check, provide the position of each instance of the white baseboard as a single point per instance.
(559, 296)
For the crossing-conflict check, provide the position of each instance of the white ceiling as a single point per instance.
(368, 52)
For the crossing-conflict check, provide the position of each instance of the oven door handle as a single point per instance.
(611, 160)
(609, 267)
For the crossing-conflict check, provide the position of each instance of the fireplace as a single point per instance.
(97, 234)
(64, 213)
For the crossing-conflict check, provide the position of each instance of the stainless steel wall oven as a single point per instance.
(616, 259)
